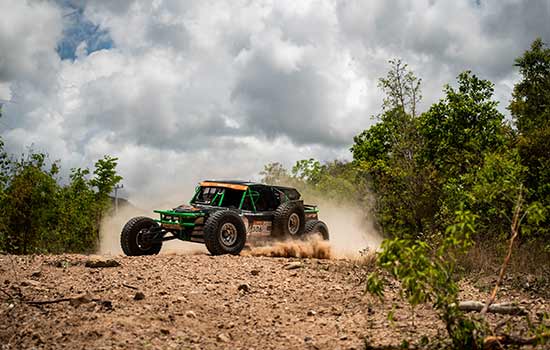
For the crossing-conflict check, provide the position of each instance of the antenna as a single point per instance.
(117, 187)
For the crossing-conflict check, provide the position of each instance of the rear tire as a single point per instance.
(289, 220)
(316, 227)
(130, 237)
(224, 233)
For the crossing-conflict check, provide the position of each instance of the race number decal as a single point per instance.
(260, 227)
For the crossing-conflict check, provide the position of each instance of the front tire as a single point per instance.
(224, 233)
(131, 237)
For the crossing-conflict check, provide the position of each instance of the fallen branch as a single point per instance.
(44, 302)
(8, 294)
(130, 286)
(75, 301)
(502, 308)
(498, 341)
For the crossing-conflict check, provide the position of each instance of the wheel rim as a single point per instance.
(293, 224)
(140, 242)
(228, 234)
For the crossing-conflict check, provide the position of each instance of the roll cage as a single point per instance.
(254, 197)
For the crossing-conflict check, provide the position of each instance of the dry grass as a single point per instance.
(486, 257)
(528, 268)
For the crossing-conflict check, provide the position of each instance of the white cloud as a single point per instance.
(217, 89)
(29, 31)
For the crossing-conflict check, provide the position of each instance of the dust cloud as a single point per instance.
(350, 230)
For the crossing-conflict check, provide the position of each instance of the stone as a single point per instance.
(99, 262)
(139, 296)
(293, 265)
(224, 338)
(244, 287)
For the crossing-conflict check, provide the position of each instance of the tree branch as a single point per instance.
(515, 231)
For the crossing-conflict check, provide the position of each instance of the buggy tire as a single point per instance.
(130, 236)
(289, 220)
(224, 233)
(316, 227)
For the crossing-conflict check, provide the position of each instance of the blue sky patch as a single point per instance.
(77, 29)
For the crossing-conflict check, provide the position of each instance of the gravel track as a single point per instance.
(205, 302)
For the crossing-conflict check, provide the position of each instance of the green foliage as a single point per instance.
(105, 177)
(530, 104)
(39, 215)
(307, 170)
(462, 126)
(530, 107)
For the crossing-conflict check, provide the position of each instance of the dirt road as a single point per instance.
(204, 302)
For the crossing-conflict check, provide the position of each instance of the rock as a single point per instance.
(99, 261)
(36, 274)
(224, 338)
(81, 299)
(180, 299)
(244, 287)
(293, 265)
(139, 296)
(27, 283)
(165, 331)
(344, 337)
(62, 263)
(307, 338)
(190, 314)
(255, 272)
(311, 313)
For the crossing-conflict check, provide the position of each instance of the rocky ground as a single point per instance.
(204, 302)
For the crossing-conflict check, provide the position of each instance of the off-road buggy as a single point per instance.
(222, 214)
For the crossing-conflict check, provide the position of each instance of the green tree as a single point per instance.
(105, 177)
(387, 153)
(530, 108)
(39, 215)
(307, 170)
(30, 205)
(461, 127)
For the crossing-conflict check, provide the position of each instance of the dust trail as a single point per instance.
(314, 247)
(351, 230)
(112, 225)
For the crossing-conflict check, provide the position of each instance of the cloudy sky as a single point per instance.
(184, 90)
